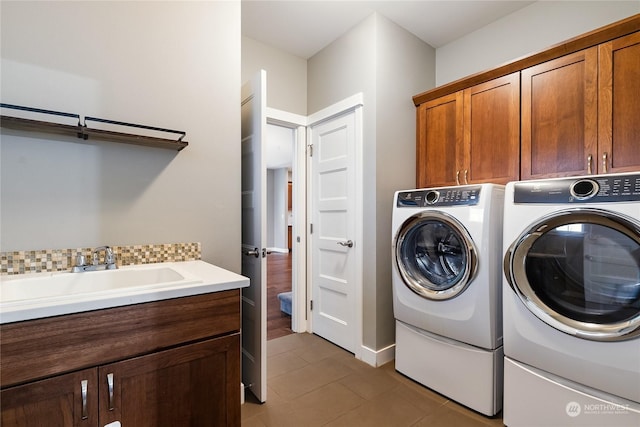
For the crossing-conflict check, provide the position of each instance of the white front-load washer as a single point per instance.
(572, 301)
(446, 278)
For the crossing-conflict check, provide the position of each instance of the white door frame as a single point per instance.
(353, 103)
(299, 236)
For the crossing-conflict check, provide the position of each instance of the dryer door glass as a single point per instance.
(435, 255)
(583, 271)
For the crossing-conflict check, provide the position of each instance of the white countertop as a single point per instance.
(198, 277)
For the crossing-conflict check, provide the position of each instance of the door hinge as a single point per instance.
(310, 228)
(311, 305)
(310, 150)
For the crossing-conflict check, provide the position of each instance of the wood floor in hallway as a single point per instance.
(278, 280)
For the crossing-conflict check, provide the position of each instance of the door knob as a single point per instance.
(348, 243)
(249, 252)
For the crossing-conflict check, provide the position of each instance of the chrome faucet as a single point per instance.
(109, 261)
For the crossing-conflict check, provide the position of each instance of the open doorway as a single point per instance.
(279, 155)
(288, 134)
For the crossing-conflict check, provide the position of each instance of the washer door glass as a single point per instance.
(435, 255)
(579, 271)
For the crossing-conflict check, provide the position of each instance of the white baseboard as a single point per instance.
(377, 358)
(279, 250)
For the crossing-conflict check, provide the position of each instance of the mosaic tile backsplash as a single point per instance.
(21, 262)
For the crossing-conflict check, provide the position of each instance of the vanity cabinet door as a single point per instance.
(53, 402)
(192, 385)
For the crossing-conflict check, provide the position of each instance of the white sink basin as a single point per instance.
(31, 296)
(67, 284)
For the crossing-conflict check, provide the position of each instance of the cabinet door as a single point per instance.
(53, 402)
(559, 116)
(193, 385)
(492, 131)
(619, 115)
(439, 141)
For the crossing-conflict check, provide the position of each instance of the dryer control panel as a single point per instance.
(591, 189)
(449, 196)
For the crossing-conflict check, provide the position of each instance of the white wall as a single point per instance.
(167, 64)
(277, 233)
(388, 65)
(286, 75)
(528, 30)
(280, 231)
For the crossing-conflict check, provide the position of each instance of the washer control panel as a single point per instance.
(450, 196)
(591, 189)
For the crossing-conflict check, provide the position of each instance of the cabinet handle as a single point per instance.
(605, 162)
(110, 384)
(457, 177)
(83, 387)
(589, 162)
(465, 176)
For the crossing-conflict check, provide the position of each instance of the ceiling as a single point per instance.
(304, 27)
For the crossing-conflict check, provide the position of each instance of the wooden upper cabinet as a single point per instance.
(440, 137)
(571, 109)
(619, 105)
(492, 131)
(471, 136)
(560, 116)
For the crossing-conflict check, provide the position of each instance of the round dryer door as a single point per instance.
(578, 270)
(435, 255)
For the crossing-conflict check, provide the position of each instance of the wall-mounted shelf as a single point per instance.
(84, 132)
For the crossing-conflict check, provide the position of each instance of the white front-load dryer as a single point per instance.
(572, 301)
(446, 278)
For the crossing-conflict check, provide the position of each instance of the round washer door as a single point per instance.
(435, 255)
(578, 270)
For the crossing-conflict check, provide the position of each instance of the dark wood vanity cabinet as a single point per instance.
(166, 363)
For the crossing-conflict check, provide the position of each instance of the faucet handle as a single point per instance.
(110, 258)
(81, 261)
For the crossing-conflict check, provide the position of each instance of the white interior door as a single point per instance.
(336, 267)
(254, 231)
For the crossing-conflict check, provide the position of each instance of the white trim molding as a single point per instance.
(380, 357)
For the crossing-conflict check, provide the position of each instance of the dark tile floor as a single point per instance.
(312, 382)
